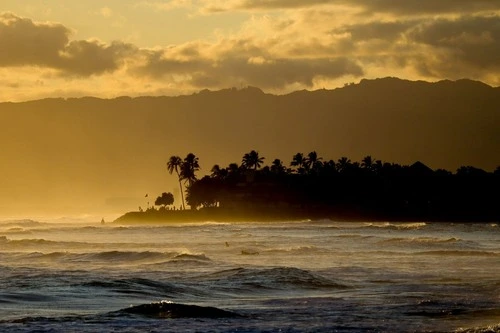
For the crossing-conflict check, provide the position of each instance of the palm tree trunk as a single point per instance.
(182, 193)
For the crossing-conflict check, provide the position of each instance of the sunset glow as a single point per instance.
(57, 48)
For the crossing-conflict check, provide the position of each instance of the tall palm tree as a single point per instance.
(174, 164)
(188, 168)
(252, 160)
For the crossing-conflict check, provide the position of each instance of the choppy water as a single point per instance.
(314, 276)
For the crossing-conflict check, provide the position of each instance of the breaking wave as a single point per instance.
(397, 226)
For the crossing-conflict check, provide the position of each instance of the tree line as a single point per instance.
(310, 183)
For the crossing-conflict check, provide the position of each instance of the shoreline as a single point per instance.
(279, 215)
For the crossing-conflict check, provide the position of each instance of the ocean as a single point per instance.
(307, 276)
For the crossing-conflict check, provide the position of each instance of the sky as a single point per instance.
(61, 48)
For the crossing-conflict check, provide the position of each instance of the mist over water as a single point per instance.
(309, 276)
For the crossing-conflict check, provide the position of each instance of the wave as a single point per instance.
(294, 250)
(421, 240)
(459, 253)
(115, 257)
(195, 257)
(24, 242)
(125, 256)
(397, 226)
(170, 310)
(140, 286)
(280, 278)
(354, 236)
(26, 223)
(484, 329)
(156, 310)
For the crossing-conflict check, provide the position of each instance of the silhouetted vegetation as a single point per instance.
(312, 187)
(166, 199)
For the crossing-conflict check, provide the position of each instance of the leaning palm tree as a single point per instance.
(252, 160)
(174, 164)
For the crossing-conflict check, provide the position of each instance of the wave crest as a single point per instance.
(169, 310)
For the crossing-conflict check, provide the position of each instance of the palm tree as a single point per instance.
(298, 161)
(312, 161)
(343, 164)
(278, 167)
(367, 163)
(174, 164)
(188, 168)
(252, 160)
(217, 172)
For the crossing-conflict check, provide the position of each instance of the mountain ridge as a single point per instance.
(65, 152)
(364, 81)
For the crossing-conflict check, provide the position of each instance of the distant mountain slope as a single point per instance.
(82, 152)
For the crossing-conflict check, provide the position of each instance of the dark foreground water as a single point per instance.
(308, 276)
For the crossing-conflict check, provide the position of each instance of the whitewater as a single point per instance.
(307, 276)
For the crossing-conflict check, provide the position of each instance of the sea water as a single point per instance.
(308, 276)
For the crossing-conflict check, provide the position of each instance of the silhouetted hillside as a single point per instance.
(66, 153)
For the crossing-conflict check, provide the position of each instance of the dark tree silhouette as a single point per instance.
(277, 167)
(367, 163)
(298, 161)
(204, 192)
(217, 172)
(312, 162)
(367, 189)
(189, 167)
(252, 160)
(343, 164)
(166, 199)
(174, 164)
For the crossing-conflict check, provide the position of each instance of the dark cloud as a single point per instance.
(474, 41)
(391, 6)
(281, 72)
(92, 57)
(264, 73)
(426, 6)
(388, 31)
(158, 64)
(26, 43)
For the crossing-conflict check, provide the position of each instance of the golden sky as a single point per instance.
(60, 48)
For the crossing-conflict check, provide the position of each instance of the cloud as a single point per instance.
(474, 41)
(26, 43)
(280, 51)
(388, 31)
(166, 5)
(233, 62)
(411, 7)
(48, 45)
(380, 6)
